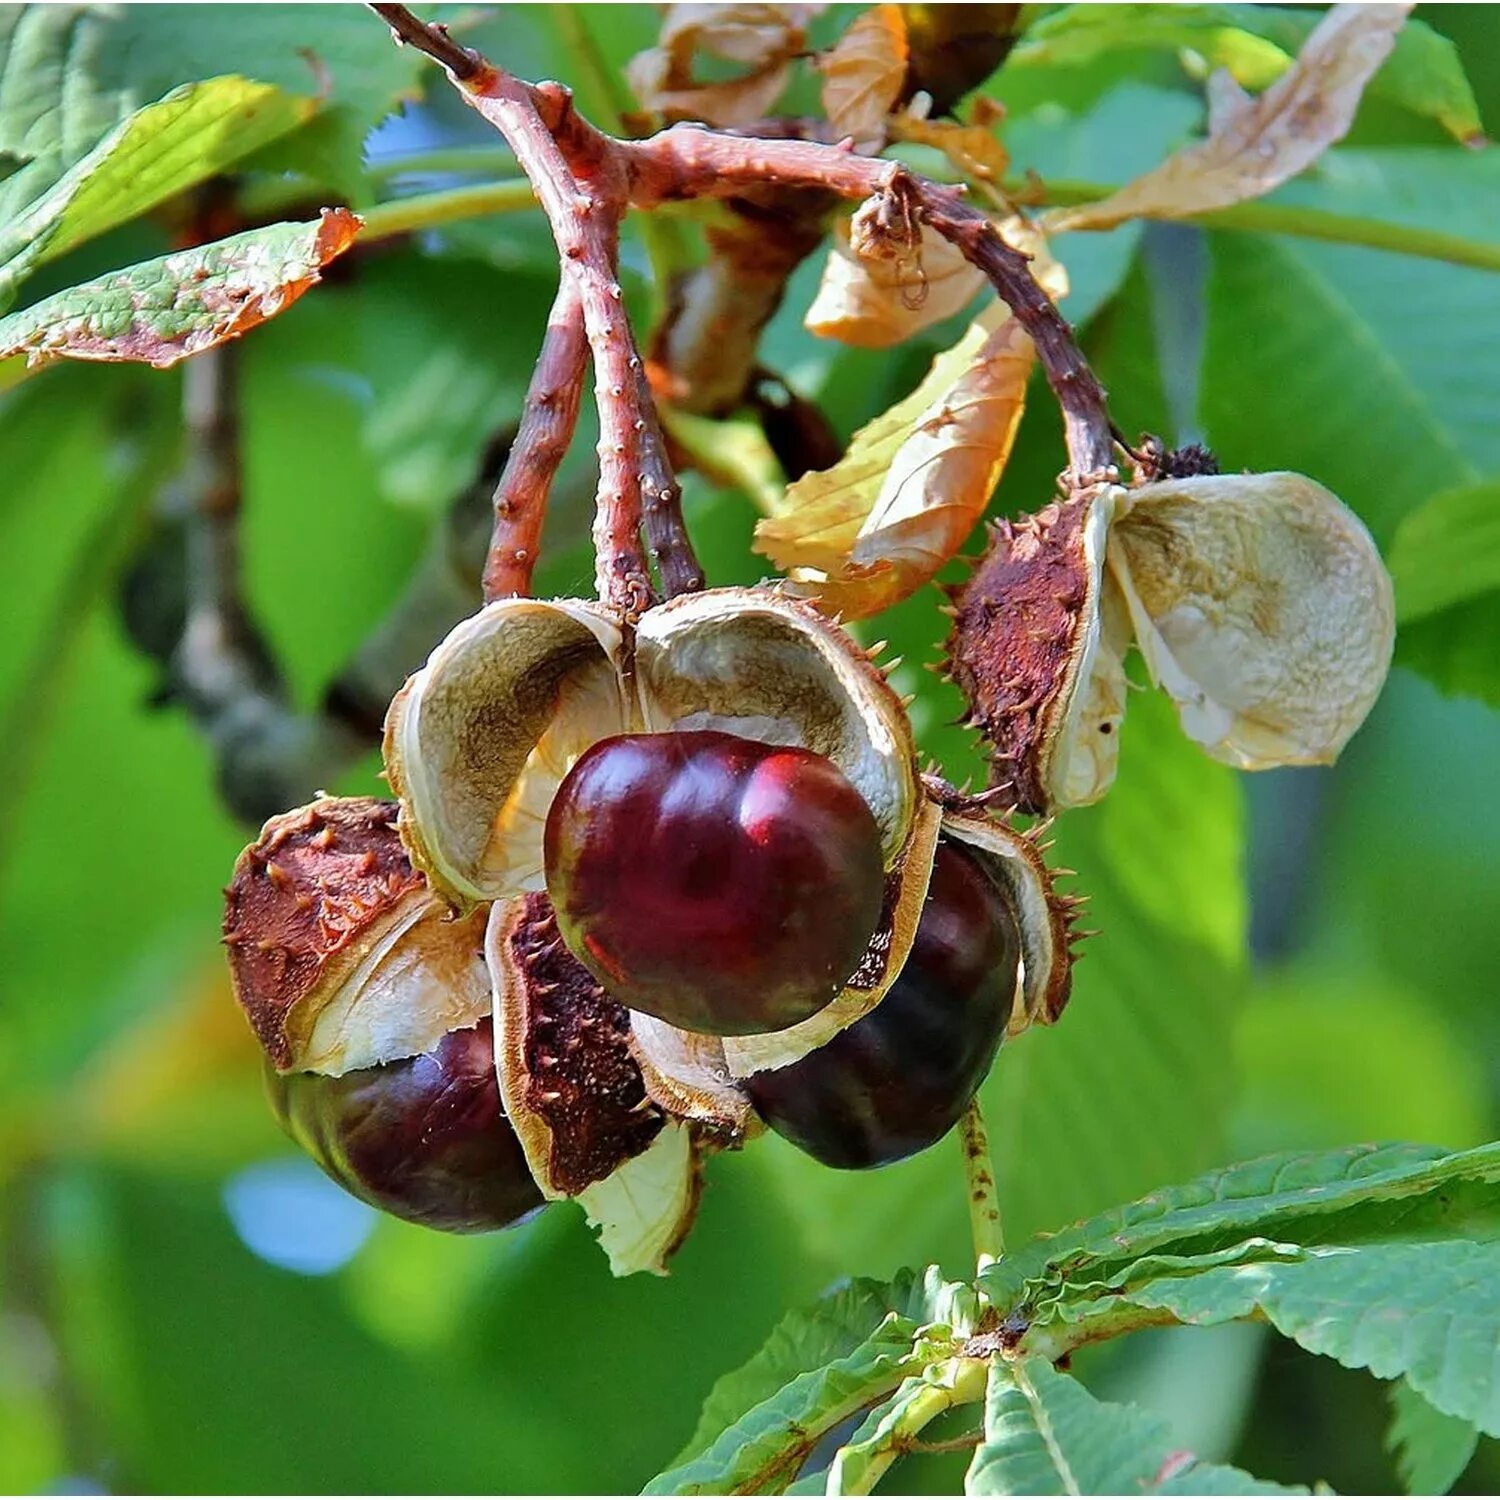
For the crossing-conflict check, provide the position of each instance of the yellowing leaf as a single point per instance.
(876, 303)
(763, 38)
(881, 522)
(974, 148)
(1256, 144)
(863, 75)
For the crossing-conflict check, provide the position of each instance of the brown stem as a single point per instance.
(548, 421)
(687, 161)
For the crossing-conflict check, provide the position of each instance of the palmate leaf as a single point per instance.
(1431, 1448)
(1044, 1434)
(1255, 43)
(163, 310)
(763, 1450)
(1342, 1198)
(1428, 1311)
(831, 1329)
(1343, 370)
(190, 135)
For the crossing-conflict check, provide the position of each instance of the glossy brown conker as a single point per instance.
(722, 884)
(425, 1139)
(896, 1081)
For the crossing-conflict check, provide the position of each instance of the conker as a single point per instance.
(897, 1080)
(425, 1139)
(725, 885)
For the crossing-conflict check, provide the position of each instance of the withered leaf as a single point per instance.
(863, 75)
(163, 310)
(1256, 144)
(871, 530)
(762, 38)
(974, 149)
(873, 304)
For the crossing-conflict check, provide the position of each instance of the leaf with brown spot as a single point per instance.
(863, 75)
(1256, 144)
(762, 38)
(163, 310)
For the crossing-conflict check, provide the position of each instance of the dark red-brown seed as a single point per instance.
(723, 884)
(425, 1139)
(897, 1080)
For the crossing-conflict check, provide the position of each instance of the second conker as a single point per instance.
(425, 1139)
(723, 884)
(896, 1081)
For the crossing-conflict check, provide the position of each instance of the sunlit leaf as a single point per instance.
(190, 135)
(863, 75)
(1255, 44)
(164, 310)
(1447, 552)
(1263, 141)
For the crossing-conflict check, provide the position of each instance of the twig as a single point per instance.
(269, 756)
(689, 162)
(547, 424)
(562, 154)
(979, 1173)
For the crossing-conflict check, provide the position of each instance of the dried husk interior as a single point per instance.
(758, 663)
(1260, 603)
(687, 1074)
(425, 977)
(1043, 917)
(575, 1095)
(906, 890)
(339, 954)
(478, 739)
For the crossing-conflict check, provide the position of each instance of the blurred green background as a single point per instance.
(1297, 959)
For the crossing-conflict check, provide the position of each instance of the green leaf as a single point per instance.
(1343, 370)
(1326, 1197)
(1447, 551)
(166, 309)
(1432, 1449)
(1256, 44)
(763, 1450)
(183, 139)
(831, 1329)
(1044, 1434)
(885, 1435)
(1428, 1311)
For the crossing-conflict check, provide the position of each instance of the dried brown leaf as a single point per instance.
(974, 149)
(881, 522)
(863, 75)
(1256, 144)
(873, 304)
(762, 38)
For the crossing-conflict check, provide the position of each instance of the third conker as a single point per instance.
(723, 884)
(897, 1080)
(425, 1139)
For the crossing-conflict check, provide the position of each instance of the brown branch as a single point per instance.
(689, 162)
(548, 420)
(560, 151)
